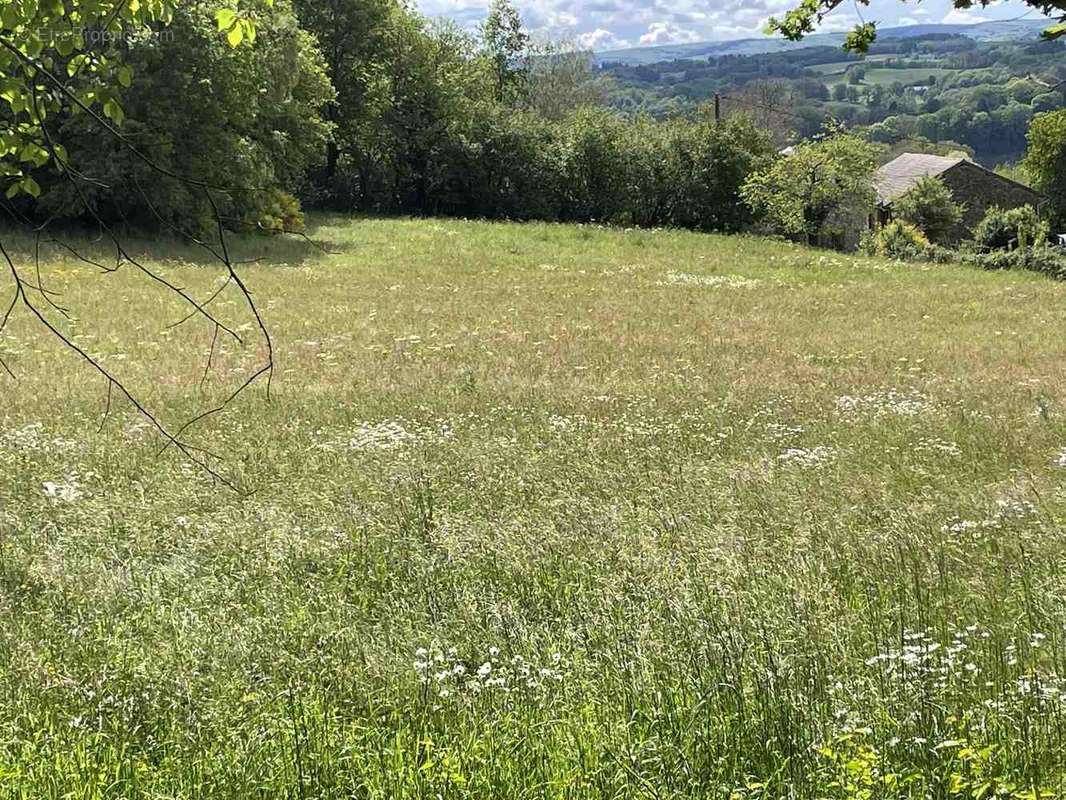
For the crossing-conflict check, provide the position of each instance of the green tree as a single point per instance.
(50, 65)
(820, 191)
(1045, 160)
(930, 207)
(354, 36)
(561, 78)
(505, 43)
(245, 120)
(438, 83)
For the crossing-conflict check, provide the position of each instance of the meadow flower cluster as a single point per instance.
(974, 674)
(808, 456)
(779, 431)
(66, 490)
(448, 677)
(33, 438)
(690, 279)
(897, 402)
(933, 445)
(390, 435)
(1006, 511)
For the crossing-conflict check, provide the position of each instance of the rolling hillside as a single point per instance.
(987, 31)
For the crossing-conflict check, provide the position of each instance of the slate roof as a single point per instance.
(897, 177)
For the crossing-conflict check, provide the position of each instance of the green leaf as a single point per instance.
(113, 111)
(75, 64)
(235, 35)
(30, 187)
(1055, 31)
(9, 17)
(34, 154)
(225, 17)
(125, 76)
(13, 190)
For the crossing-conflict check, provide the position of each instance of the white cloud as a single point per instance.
(607, 24)
(838, 23)
(957, 17)
(600, 39)
(668, 33)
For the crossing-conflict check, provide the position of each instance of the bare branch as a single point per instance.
(72, 179)
(186, 449)
(107, 408)
(219, 251)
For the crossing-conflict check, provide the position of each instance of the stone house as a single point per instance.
(976, 188)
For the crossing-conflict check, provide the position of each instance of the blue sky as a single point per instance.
(611, 24)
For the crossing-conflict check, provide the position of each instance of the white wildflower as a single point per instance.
(67, 491)
(808, 457)
(688, 279)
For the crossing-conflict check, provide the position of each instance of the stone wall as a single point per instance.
(978, 190)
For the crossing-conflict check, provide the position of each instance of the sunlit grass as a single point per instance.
(540, 511)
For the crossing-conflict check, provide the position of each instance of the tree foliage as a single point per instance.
(560, 78)
(1045, 160)
(820, 190)
(931, 208)
(63, 58)
(505, 43)
(243, 119)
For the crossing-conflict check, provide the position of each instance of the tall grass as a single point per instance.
(545, 512)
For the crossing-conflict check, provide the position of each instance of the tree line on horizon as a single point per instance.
(365, 106)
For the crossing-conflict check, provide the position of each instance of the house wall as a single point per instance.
(979, 190)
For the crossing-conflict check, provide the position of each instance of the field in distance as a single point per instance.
(540, 511)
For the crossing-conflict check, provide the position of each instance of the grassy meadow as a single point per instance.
(539, 511)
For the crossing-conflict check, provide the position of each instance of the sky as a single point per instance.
(614, 24)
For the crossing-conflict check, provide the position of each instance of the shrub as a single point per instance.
(931, 208)
(501, 164)
(276, 212)
(689, 174)
(899, 240)
(1018, 228)
(1043, 259)
(595, 166)
(716, 161)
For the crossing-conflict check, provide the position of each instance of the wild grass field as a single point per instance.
(886, 76)
(539, 511)
(889, 76)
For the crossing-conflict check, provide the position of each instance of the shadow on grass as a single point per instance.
(282, 250)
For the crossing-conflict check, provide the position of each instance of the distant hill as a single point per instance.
(1009, 30)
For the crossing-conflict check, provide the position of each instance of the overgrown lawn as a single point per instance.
(539, 511)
